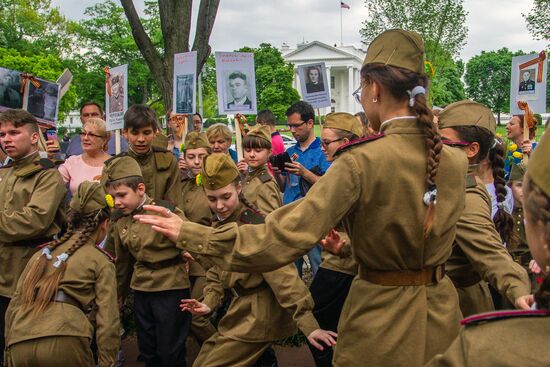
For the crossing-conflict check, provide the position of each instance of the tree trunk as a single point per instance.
(175, 18)
(498, 117)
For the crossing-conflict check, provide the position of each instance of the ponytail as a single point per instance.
(504, 222)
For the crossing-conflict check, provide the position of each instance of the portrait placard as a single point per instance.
(236, 80)
(10, 89)
(185, 77)
(43, 102)
(529, 75)
(116, 103)
(314, 84)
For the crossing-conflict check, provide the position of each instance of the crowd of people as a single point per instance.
(409, 223)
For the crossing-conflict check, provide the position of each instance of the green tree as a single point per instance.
(175, 26)
(34, 26)
(107, 38)
(538, 20)
(488, 79)
(43, 66)
(273, 80)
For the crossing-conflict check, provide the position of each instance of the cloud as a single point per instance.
(492, 24)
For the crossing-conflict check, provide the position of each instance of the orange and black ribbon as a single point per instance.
(107, 72)
(28, 77)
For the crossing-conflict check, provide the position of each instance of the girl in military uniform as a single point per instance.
(264, 305)
(332, 282)
(399, 194)
(485, 339)
(478, 253)
(258, 186)
(46, 322)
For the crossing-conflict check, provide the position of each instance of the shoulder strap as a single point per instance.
(492, 316)
(357, 142)
(250, 216)
(163, 158)
(116, 215)
(35, 167)
(265, 177)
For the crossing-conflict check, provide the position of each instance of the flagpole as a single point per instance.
(341, 32)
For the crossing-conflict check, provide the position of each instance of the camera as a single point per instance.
(279, 161)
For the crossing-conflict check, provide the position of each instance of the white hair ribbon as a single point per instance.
(413, 93)
(60, 258)
(46, 251)
(430, 196)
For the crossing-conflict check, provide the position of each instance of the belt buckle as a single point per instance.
(234, 292)
(438, 274)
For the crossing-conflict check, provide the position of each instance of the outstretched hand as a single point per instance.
(194, 307)
(320, 337)
(166, 222)
(333, 242)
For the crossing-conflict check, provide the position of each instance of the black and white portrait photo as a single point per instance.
(527, 81)
(184, 93)
(116, 99)
(10, 89)
(238, 96)
(314, 82)
(42, 101)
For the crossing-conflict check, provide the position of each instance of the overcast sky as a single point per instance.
(492, 23)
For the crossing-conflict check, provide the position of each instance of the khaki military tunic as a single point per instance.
(31, 212)
(196, 209)
(160, 173)
(151, 261)
(500, 339)
(478, 257)
(266, 303)
(89, 277)
(260, 188)
(377, 188)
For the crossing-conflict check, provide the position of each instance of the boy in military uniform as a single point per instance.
(158, 275)
(32, 195)
(158, 166)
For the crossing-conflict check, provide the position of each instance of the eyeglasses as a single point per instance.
(325, 143)
(357, 94)
(295, 126)
(83, 134)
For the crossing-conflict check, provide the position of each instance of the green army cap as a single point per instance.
(343, 121)
(195, 140)
(467, 113)
(89, 198)
(261, 132)
(218, 170)
(538, 168)
(517, 172)
(397, 47)
(120, 167)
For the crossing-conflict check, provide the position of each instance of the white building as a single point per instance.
(343, 65)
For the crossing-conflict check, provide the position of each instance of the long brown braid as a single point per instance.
(82, 227)
(504, 222)
(399, 82)
(537, 205)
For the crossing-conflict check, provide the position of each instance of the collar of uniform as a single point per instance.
(401, 125)
(141, 158)
(257, 172)
(147, 201)
(32, 157)
(234, 217)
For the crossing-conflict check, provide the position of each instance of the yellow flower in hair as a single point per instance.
(517, 155)
(499, 135)
(513, 147)
(198, 180)
(110, 201)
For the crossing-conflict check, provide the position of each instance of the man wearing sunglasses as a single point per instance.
(307, 166)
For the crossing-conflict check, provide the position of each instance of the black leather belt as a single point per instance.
(34, 242)
(63, 297)
(163, 264)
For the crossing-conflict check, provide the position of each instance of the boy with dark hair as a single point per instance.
(150, 264)
(32, 195)
(158, 166)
